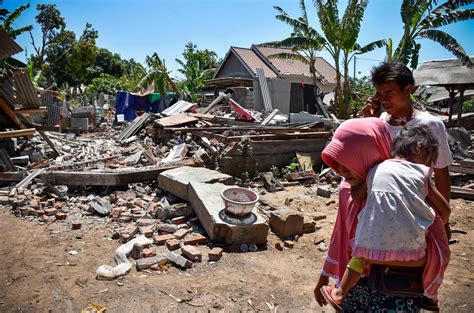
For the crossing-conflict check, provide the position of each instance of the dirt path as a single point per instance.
(39, 275)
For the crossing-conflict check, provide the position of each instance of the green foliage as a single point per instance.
(8, 23)
(131, 80)
(421, 19)
(198, 65)
(158, 75)
(104, 83)
(362, 89)
(468, 106)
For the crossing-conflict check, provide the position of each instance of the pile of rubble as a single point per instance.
(158, 182)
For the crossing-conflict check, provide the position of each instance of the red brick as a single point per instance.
(50, 211)
(115, 213)
(61, 216)
(279, 246)
(147, 253)
(215, 254)
(172, 244)
(162, 239)
(76, 225)
(24, 211)
(125, 237)
(192, 253)
(147, 231)
(289, 243)
(195, 239)
(180, 233)
(179, 220)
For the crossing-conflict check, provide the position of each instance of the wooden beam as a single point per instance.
(11, 114)
(215, 102)
(266, 129)
(50, 143)
(10, 177)
(457, 168)
(31, 110)
(18, 133)
(463, 193)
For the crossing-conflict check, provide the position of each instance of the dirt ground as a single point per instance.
(39, 275)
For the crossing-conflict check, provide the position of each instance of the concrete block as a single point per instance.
(286, 224)
(178, 260)
(207, 203)
(146, 263)
(176, 181)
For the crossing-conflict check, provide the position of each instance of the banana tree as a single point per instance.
(421, 20)
(305, 42)
(348, 34)
(158, 75)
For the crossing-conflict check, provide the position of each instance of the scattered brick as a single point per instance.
(215, 254)
(147, 231)
(61, 216)
(195, 239)
(289, 243)
(162, 239)
(179, 220)
(178, 260)
(148, 253)
(181, 233)
(124, 238)
(50, 211)
(172, 244)
(76, 225)
(192, 253)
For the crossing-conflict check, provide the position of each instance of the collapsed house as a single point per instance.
(257, 79)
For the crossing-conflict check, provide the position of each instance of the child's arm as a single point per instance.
(438, 202)
(359, 192)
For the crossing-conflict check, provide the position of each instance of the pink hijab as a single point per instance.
(358, 144)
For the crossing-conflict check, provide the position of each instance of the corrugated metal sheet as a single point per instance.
(54, 109)
(444, 73)
(25, 92)
(7, 92)
(8, 47)
(253, 61)
(267, 102)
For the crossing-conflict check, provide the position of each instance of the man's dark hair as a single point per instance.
(392, 72)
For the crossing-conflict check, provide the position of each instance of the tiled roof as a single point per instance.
(253, 61)
(295, 67)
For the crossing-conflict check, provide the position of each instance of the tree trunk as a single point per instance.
(337, 90)
(346, 87)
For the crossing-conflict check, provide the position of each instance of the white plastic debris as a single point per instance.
(123, 265)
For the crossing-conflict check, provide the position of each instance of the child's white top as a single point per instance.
(393, 223)
(436, 126)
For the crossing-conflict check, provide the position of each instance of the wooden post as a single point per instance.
(11, 114)
(460, 101)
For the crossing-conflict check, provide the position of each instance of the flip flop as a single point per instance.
(326, 292)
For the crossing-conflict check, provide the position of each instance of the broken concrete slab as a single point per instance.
(175, 181)
(207, 203)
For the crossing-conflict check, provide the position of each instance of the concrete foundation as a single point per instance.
(176, 181)
(207, 203)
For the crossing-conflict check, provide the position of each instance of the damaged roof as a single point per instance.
(259, 57)
(8, 47)
(444, 73)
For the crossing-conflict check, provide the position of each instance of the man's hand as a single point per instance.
(372, 107)
(323, 281)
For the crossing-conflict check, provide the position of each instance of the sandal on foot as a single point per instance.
(326, 292)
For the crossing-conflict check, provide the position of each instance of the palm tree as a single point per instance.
(422, 20)
(304, 40)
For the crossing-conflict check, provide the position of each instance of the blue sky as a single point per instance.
(137, 28)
